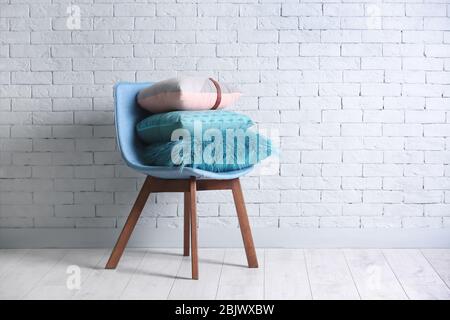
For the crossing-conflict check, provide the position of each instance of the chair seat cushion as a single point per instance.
(159, 127)
(221, 154)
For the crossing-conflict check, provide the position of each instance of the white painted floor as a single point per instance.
(283, 274)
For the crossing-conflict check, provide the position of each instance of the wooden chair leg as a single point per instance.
(244, 224)
(129, 225)
(187, 222)
(193, 211)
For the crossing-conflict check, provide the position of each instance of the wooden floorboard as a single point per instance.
(373, 276)
(210, 265)
(17, 282)
(416, 275)
(58, 283)
(155, 275)
(109, 284)
(440, 261)
(329, 275)
(10, 258)
(238, 281)
(285, 275)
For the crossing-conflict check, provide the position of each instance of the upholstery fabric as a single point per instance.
(159, 127)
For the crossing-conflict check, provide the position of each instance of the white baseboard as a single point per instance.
(263, 238)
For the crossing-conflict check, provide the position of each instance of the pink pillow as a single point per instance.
(190, 93)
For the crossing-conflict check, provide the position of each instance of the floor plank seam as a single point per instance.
(43, 276)
(351, 274)
(22, 256)
(220, 275)
(264, 274)
(395, 274)
(307, 274)
(132, 275)
(176, 276)
(434, 269)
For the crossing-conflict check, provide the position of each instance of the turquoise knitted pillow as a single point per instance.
(232, 154)
(159, 127)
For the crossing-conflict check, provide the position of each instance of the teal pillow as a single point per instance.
(232, 153)
(159, 127)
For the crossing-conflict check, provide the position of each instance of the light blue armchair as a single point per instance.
(166, 179)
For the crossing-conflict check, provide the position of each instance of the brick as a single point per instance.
(320, 23)
(407, 130)
(418, 197)
(57, 198)
(403, 50)
(332, 89)
(382, 170)
(259, 36)
(386, 63)
(179, 9)
(296, 36)
(196, 23)
(439, 210)
(436, 23)
(422, 64)
(75, 211)
(260, 10)
(342, 116)
(382, 196)
(320, 183)
(215, 10)
(394, 76)
(219, 36)
(326, 209)
(321, 156)
(361, 50)
(380, 222)
(402, 23)
(342, 143)
(133, 10)
(404, 103)
(154, 23)
(339, 222)
(342, 196)
(71, 158)
(280, 23)
(421, 222)
(21, 211)
(346, 9)
(299, 222)
(17, 64)
(364, 209)
(363, 156)
(303, 90)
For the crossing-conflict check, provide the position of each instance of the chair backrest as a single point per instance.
(127, 114)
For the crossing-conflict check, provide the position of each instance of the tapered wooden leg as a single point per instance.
(244, 224)
(187, 224)
(129, 225)
(193, 211)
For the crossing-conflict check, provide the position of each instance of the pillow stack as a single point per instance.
(203, 137)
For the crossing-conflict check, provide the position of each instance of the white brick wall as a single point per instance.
(359, 91)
